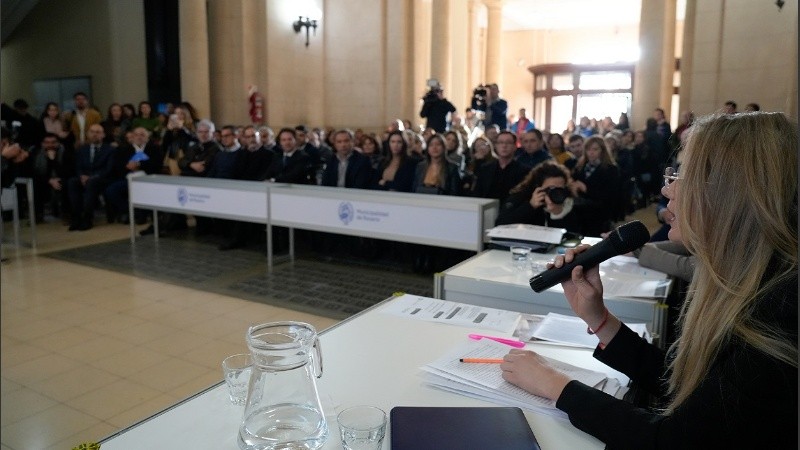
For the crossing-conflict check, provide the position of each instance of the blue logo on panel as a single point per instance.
(183, 196)
(346, 212)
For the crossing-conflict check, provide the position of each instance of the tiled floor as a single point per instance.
(86, 352)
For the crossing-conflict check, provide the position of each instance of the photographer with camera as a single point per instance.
(543, 198)
(435, 107)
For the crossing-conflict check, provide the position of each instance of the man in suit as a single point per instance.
(255, 159)
(494, 179)
(94, 164)
(347, 168)
(291, 165)
(139, 155)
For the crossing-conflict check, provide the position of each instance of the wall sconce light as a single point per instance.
(306, 23)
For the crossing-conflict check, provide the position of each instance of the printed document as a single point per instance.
(443, 311)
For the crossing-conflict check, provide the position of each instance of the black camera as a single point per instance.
(432, 95)
(478, 102)
(557, 194)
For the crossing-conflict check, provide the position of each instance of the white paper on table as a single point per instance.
(627, 265)
(443, 311)
(616, 286)
(566, 330)
(570, 330)
(527, 233)
(486, 379)
(527, 327)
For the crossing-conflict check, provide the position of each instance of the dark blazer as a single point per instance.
(196, 152)
(358, 174)
(452, 184)
(123, 154)
(403, 178)
(254, 164)
(601, 197)
(532, 160)
(102, 166)
(747, 400)
(295, 171)
(490, 182)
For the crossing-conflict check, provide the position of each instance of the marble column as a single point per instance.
(652, 86)
(235, 44)
(440, 41)
(494, 42)
(687, 55)
(195, 81)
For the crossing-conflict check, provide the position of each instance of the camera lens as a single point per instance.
(557, 194)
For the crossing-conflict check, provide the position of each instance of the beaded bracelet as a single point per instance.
(599, 327)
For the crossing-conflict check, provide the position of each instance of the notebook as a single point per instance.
(478, 428)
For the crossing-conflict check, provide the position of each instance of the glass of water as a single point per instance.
(237, 376)
(362, 427)
(519, 257)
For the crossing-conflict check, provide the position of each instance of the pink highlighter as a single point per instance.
(511, 342)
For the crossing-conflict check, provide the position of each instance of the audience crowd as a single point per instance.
(584, 179)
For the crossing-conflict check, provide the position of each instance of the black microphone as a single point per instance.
(623, 239)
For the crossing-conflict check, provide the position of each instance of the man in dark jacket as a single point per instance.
(435, 108)
(140, 154)
(496, 178)
(94, 164)
(347, 168)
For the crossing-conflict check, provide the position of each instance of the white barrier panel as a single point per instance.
(230, 199)
(442, 221)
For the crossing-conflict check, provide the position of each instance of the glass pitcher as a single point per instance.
(283, 410)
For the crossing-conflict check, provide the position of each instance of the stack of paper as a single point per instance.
(485, 382)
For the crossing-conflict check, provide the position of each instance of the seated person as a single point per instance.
(93, 168)
(496, 178)
(291, 164)
(396, 172)
(140, 154)
(730, 378)
(533, 150)
(435, 174)
(347, 168)
(52, 167)
(197, 158)
(543, 198)
(596, 183)
(482, 152)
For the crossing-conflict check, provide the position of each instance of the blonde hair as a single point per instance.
(737, 213)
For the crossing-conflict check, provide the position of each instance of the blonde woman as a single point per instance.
(730, 379)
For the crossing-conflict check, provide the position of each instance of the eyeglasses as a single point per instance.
(670, 175)
(226, 135)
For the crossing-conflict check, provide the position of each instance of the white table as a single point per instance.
(490, 279)
(371, 358)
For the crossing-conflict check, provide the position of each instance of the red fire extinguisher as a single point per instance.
(256, 106)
